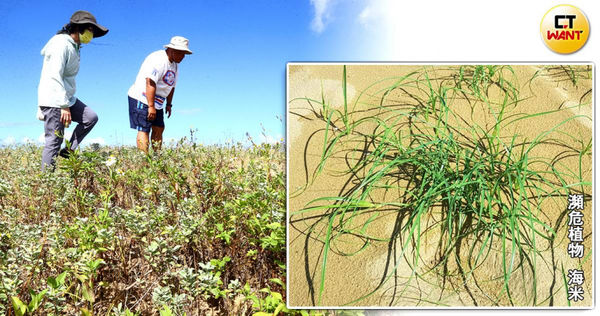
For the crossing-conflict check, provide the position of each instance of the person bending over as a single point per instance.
(153, 91)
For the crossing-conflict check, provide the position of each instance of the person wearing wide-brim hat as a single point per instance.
(57, 104)
(153, 91)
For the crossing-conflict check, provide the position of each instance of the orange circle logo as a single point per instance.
(565, 29)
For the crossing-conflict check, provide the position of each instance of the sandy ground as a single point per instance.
(357, 280)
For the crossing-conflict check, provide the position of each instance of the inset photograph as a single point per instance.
(440, 186)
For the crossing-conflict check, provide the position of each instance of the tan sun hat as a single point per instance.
(179, 43)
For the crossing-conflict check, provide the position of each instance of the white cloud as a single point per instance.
(95, 140)
(170, 140)
(87, 141)
(18, 124)
(10, 140)
(27, 140)
(268, 139)
(382, 13)
(322, 14)
(366, 15)
(41, 139)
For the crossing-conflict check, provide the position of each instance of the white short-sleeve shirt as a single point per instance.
(164, 73)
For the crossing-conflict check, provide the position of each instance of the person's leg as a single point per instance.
(53, 134)
(142, 141)
(86, 117)
(158, 126)
(157, 138)
(138, 113)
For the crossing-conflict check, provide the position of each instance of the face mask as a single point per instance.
(86, 36)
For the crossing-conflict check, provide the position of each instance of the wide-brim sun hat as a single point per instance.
(179, 43)
(84, 17)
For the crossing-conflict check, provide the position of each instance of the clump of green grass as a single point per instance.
(569, 73)
(417, 153)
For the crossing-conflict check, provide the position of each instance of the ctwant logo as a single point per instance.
(564, 29)
(557, 19)
(562, 34)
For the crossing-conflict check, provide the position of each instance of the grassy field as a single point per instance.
(194, 230)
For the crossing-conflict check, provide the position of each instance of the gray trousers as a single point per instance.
(54, 129)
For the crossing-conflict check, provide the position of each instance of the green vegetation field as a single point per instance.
(194, 230)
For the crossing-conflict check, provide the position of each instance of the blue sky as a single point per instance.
(233, 83)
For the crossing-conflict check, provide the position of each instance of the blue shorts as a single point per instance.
(138, 116)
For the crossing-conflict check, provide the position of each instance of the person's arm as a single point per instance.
(150, 93)
(169, 100)
(65, 116)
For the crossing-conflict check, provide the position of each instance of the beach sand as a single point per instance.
(380, 272)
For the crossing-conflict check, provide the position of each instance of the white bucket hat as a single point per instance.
(179, 43)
